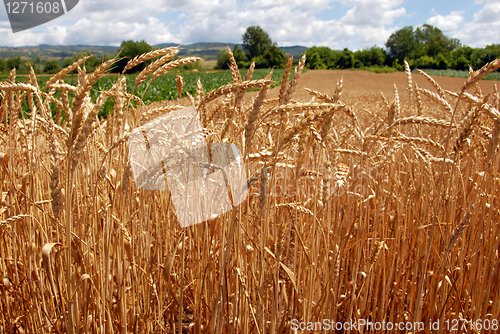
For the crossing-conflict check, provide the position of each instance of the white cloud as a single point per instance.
(489, 14)
(289, 22)
(355, 23)
(482, 30)
(447, 23)
(482, 2)
(373, 13)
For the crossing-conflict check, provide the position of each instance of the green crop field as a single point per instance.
(459, 74)
(160, 89)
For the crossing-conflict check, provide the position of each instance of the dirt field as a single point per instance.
(363, 87)
(369, 83)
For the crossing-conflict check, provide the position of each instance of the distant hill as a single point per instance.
(296, 51)
(207, 51)
(53, 51)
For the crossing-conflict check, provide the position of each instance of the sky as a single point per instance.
(353, 24)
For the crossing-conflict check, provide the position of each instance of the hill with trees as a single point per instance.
(256, 46)
(424, 47)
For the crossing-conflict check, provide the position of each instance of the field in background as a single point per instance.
(460, 74)
(361, 205)
(163, 88)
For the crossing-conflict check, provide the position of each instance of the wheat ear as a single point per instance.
(458, 230)
(249, 74)
(155, 65)
(495, 138)
(180, 84)
(252, 116)
(55, 186)
(173, 64)
(433, 82)
(478, 75)
(293, 83)
(410, 81)
(233, 87)
(65, 71)
(284, 81)
(233, 67)
(82, 92)
(441, 100)
(149, 55)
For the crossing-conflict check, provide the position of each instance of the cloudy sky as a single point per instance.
(355, 24)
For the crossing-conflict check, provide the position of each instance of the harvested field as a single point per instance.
(357, 208)
(362, 88)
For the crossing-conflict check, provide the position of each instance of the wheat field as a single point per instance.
(384, 214)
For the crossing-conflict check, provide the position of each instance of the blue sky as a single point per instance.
(355, 24)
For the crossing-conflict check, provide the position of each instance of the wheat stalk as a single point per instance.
(421, 120)
(284, 81)
(433, 82)
(150, 55)
(180, 84)
(170, 65)
(295, 80)
(59, 75)
(253, 115)
(232, 88)
(478, 75)
(409, 78)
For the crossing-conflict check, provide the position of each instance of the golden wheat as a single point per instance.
(337, 223)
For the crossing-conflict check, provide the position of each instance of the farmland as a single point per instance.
(162, 88)
(360, 206)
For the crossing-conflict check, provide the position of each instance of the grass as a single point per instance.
(350, 214)
(378, 69)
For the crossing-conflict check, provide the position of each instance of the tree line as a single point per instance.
(424, 47)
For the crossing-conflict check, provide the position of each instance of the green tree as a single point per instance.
(434, 41)
(128, 50)
(3, 65)
(256, 42)
(402, 44)
(461, 58)
(328, 57)
(51, 66)
(14, 62)
(346, 60)
(425, 62)
(315, 62)
(240, 57)
(427, 40)
(481, 57)
(275, 57)
(374, 56)
(222, 60)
